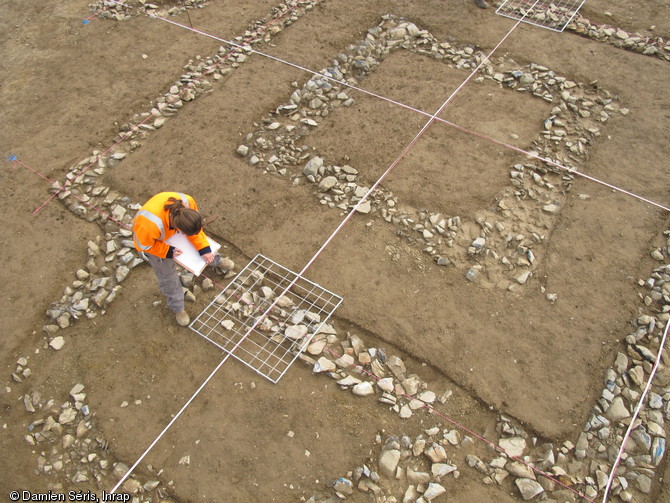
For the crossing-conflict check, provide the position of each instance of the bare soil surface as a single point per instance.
(66, 88)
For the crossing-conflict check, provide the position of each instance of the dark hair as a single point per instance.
(185, 219)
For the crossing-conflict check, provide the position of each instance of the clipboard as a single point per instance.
(190, 259)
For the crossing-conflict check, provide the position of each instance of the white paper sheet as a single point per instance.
(190, 258)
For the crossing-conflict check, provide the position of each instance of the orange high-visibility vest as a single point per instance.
(151, 225)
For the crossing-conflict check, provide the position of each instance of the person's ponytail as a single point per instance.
(185, 219)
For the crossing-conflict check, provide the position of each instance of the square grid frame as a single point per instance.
(551, 14)
(278, 338)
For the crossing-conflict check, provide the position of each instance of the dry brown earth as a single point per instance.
(66, 88)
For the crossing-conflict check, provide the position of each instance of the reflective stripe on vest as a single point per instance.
(137, 242)
(184, 199)
(140, 245)
(156, 221)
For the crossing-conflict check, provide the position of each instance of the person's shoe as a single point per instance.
(482, 4)
(182, 318)
(224, 265)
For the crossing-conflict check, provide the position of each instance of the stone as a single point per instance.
(415, 404)
(344, 486)
(28, 403)
(349, 381)
(76, 389)
(526, 79)
(655, 429)
(225, 264)
(119, 470)
(363, 389)
(411, 495)
(296, 332)
(637, 375)
(57, 342)
(513, 446)
(642, 439)
(67, 416)
(418, 447)
(655, 400)
(621, 363)
(436, 453)
(552, 209)
(643, 483)
(151, 485)
(453, 437)
(439, 470)
(617, 410)
(657, 255)
(582, 443)
(345, 361)
(118, 212)
(601, 478)
(405, 411)
(81, 305)
(523, 277)
(207, 285)
(528, 488)
(388, 462)
(414, 477)
(316, 347)
(79, 477)
(657, 450)
(386, 384)
(327, 183)
(364, 208)
(475, 462)
(131, 486)
(313, 166)
(396, 366)
(520, 470)
(411, 385)
(323, 364)
(479, 243)
(298, 317)
(445, 396)
(427, 397)
(433, 491)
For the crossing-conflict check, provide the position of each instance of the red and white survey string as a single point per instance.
(495, 446)
(311, 261)
(81, 200)
(636, 413)
(419, 111)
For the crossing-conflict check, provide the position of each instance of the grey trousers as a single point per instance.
(168, 279)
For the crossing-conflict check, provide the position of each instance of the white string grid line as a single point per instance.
(551, 14)
(304, 269)
(633, 419)
(267, 350)
(532, 155)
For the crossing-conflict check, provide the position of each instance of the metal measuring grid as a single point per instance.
(276, 341)
(553, 15)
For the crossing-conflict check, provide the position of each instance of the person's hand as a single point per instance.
(209, 258)
(176, 252)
